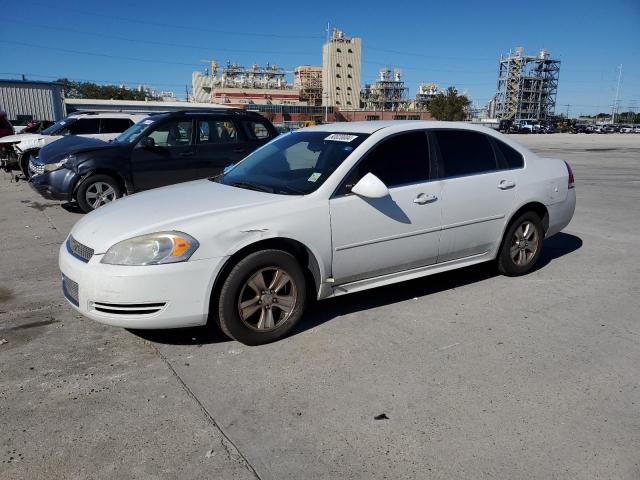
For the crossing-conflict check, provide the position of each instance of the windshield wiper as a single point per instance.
(251, 186)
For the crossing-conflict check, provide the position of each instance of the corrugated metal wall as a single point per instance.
(41, 101)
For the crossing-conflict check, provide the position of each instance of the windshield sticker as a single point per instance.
(62, 122)
(314, 177)
(347, 148)
(147, 122)
(340, 137)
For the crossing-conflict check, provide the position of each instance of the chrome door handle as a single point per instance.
(506, 184)
(422, 198)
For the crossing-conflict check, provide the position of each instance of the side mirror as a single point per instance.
(147, 142)
(370, 186)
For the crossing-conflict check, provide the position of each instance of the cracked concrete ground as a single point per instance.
(479, 376)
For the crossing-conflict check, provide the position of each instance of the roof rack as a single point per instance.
(229, 110)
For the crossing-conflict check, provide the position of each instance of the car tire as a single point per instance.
(24, 163)
(521, 245)
(96, 191)
(251, 306)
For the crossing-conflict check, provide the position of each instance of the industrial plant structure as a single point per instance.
(308, 80)
(240, 85)
(341, 58)
(426, 93)
(527, 86)
(387, 93)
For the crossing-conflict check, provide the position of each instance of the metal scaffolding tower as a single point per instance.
(388, 93)
(527, 86)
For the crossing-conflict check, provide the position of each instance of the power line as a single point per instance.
(169, 25)
(150, 42)
(94, 54)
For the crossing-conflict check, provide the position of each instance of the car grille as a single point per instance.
(34, 168)
(128, 309)
(79, 250)
(70, 290)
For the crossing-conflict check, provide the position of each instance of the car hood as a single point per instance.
(56, 151)
(25, 138)
(169, 208)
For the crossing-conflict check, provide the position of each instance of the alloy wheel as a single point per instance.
(267, 299)
(524, 244)
(100, 193)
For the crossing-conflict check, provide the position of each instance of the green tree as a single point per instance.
(73, 89)
(449, 105)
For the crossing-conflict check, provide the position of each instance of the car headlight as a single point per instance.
(50, 167)
(152, 249)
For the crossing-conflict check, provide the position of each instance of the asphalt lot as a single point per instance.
(480, 376)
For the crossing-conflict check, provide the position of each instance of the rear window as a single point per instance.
(256, 130)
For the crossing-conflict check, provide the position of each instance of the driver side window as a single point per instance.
(400, 160)
(175, 133)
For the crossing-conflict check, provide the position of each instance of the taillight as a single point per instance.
(571, 179)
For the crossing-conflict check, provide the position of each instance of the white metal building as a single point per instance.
(26, 100)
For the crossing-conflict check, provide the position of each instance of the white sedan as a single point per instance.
(320, 212)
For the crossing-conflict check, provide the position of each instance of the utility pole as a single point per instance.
(615, 103)
(567, 105)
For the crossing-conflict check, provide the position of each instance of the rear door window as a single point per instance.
(464, 153)
(216, 132)
(114, 125)
(508, 157)
(84, 126)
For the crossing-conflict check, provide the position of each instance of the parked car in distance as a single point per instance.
(161, 150)
(581, 128)
(16, 150)
(36, 126)
(636, 129)
(317, 213)
(626, 128)
(608, 129)
(6, 128)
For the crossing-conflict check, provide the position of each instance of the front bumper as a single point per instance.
(56, 185)
(145, 297)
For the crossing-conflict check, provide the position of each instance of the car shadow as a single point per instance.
(318, 313)
(72, 208)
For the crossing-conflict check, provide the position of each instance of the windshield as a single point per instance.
(296, 163)
(59, 125)
(132, 133)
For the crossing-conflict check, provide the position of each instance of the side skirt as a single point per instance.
(391, 278)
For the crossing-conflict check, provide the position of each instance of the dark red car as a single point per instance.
(6, 128)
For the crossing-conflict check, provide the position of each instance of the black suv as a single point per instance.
(163, 149)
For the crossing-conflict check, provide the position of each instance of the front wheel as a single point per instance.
(521, 246)
(262, 298)
(96, 191)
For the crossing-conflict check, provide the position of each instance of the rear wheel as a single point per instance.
(262, 298)
(521, 246)
(96, 191)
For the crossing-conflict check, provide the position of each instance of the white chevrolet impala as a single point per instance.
(320, 212)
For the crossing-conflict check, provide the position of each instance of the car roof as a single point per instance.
(108, 115)
(376, 125)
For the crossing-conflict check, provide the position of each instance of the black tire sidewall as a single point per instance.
(87, 182)
(506, 264)
(227, 315)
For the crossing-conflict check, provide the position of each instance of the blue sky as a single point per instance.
(452, 43)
